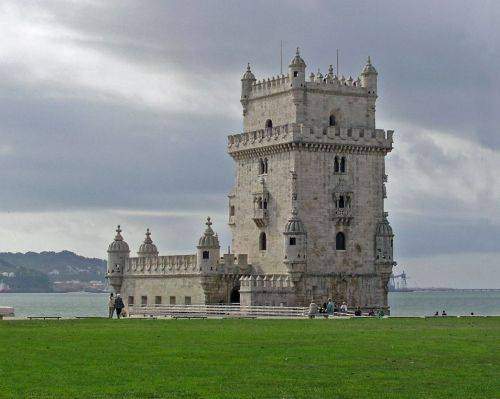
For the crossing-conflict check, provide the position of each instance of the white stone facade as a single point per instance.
(306, 208)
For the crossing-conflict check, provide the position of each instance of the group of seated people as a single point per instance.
(330, 308)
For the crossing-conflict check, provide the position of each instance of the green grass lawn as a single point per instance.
(357, 358)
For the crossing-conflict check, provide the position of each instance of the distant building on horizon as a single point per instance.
(306, 211)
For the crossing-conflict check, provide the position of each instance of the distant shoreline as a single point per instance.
(410, 289)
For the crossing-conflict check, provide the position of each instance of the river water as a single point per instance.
(417, 303)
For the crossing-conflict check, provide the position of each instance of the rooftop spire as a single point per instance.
(148, 239)
(118, 236)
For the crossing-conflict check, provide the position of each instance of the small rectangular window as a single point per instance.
(130, 301)
(295, 74)
(172, 300)
(231, 210)
(187, 300)
(144, 300)
(206, 255)
(292, 240)
(157, 300)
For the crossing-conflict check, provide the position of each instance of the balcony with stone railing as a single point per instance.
(341, 216)
(260, 217)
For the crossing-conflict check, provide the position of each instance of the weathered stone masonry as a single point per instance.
(306, 211)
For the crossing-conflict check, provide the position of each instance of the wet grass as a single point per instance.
(357, 358)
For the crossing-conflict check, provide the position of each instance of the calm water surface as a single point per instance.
(418, 303)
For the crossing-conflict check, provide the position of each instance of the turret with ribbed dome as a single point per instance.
(118, 253)
(208, 253)
(369, 77)
(295, 237)
(247, 81)
(297, 70)
(147, 248)
(384, 241)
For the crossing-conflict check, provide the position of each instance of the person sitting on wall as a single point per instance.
(357, 312)
(443, 313)
(343, 307)
(371, 313)
(437, 313)
(119, 305)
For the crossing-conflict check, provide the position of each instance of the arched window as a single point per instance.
(264, 204)
(206, 255)
(333, 121)
(231, 210)
(336, 166)
(342, 165)
(292, 241)
(269, 124)
(262, 241)
(260, 203)
(341, 202)
(265, 165)
(261, 166)
(340, 242)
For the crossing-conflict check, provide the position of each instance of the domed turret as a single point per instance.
(246, 87)
(295, 243)
(384, 241)
(294, 224)
(248, 75)
(118, 253)
(147, 248)
(297, 61)
(118, 245)
(208, 249)
(369, 77)
(297, 70)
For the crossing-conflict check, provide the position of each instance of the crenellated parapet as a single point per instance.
(330, 138)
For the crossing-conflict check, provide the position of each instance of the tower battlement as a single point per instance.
(331, 137)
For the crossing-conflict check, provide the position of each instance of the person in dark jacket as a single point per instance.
(119, 305)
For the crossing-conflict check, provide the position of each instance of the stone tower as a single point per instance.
(310, 147)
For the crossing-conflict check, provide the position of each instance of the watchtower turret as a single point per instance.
(118, 253)
(147, 248)
(369, 77)
(384, 242)
(247, 81)
(297, 70)
(208, 254)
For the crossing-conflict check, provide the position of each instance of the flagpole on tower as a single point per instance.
(338, 73)
(281, 57)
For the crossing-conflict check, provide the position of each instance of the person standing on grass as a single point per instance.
(330, 307)
(119, 305)
(111, 305)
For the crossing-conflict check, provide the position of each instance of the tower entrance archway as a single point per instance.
(235, 295)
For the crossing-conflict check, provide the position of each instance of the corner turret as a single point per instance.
(118, 253)
(208, 254)
(147, 248)
(384, 242)
(369, 77)
(297, 70)
(247, 81)
(295, 238)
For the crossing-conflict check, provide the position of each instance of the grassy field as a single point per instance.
(357, 358)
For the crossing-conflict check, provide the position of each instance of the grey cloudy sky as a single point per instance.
(118, 112)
